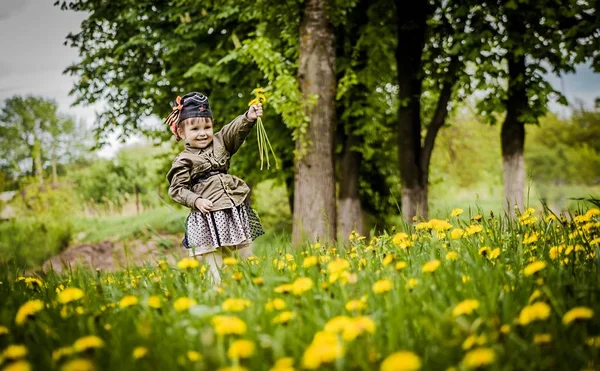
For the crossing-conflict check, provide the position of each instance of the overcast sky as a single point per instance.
(33, 57)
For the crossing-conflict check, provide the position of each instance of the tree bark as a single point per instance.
(314, 189)
(411, 40)
(37, 160)
(350, 216)
(54, 173)
(513, 135)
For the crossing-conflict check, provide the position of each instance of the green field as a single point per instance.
(445, 294)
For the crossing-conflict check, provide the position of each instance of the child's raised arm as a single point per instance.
(237, 130)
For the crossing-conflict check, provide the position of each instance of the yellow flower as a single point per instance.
(79, 364)
(355, 305)
(465, 307)
(412, 283)
(14, 352)
(3, 330)
(542, 338)
(401, 265)
(301, 285)
(87, 342)
(310, 261)
(456, 233)
(387, 260)
(277, 304)
(452, 255)
(283, 317)
(431, 266)
(534, 312)
(232, 368)
(382, 286)
(338, 266)
(401, 361)
(188, 263)
(283, 364)
(230, 261)
(229, 325)
(357, 326)
(456, 212)
(154, 302)
(473, 229)
(183, 304)
(128, 301)
(28, 309)
(281, 289)
(241, 349)
(18, 366)
(577, 313)
(530, 238)
(534, 267)
(258, 281)
(494, 253)
(505, 329)
(139, 352)
(194, 356)
(31, 282)
(479, 357)
(235, 305)
(325, 348)
(337, 324)
(70, 294)
(62, 352)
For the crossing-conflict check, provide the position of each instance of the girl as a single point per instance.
(221, 220)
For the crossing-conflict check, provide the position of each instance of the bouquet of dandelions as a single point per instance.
(264, 145)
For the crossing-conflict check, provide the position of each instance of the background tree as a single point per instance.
(529, 40)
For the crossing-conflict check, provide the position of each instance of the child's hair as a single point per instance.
(194, 120)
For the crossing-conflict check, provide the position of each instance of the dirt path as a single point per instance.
(117, 255)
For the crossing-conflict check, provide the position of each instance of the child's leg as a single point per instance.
(215, 264)
(245, 249)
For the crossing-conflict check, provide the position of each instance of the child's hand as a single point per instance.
(254, 112)
(203, 205)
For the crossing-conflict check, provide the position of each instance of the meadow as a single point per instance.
(466, 291)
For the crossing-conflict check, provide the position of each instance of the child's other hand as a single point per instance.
(203, 205)
(254, 112)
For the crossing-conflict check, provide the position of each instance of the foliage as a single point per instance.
(465, 293)
(32, 134)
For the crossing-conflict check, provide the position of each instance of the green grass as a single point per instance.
(418, 314)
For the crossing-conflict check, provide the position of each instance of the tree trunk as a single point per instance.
(411, 40)
(314, 189)
(349, 212)
(54, 174)
(137, 199)
(37, 160)
(513, 135)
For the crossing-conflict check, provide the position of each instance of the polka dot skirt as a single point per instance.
(229, 227)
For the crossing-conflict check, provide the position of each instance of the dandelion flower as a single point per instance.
(128, 301)
(451, 255)
(479, 357)
(275, 304)
(456, 212)
(235, 305)
(382, 286)
(577, 313)
(14, 352)
(188, 263)
(283, 364)
(183, 304)
(534, 267)
(70, 294)
(355, 305)
(27, 310)
(310, 261)
(3, 330)
(62, 352)
(542, 338)
(283, 317)
(140, 352)
(412, 283)
(401, 361)
(301, 285)
(194, 356)
(87, 342)
(534, 312)
(241, 349)
(18, 366)
(457, 233)
(79, 364)
(357, 326)
(230, 261)
(465, 307)
(154, 302)
(229, 325)
(431, 266)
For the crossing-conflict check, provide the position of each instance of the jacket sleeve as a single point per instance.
(236, 132)
(179, 177)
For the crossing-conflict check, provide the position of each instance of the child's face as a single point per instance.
(197, 131)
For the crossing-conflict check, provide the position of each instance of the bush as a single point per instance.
(28, 241)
